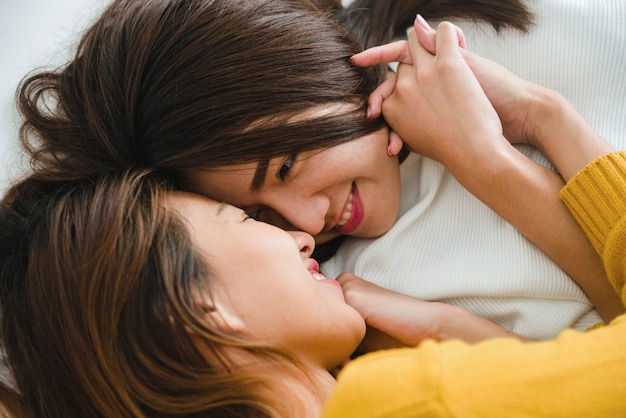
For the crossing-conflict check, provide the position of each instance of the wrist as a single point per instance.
(458, 323)
(484, 166)
(562, 134)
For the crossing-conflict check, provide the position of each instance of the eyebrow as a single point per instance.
(259, 174)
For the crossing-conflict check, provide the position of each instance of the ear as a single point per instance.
(223, 316)
(395, 144)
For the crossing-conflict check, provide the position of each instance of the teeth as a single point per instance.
(317, 276)
(347, 213)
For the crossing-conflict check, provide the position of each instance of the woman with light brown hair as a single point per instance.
(122, 297)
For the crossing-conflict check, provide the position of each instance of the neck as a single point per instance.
(308, 393)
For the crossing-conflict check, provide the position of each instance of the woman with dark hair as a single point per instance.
(122, 297)
(254, 103)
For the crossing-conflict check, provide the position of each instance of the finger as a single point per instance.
(395, 143)
(449, 39)
(426, 35)
(378, 96)
(461, 37)
(419, 53)
(403, 70)
(392, 52)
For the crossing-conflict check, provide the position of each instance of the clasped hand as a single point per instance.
(398, 320)
(447, 103)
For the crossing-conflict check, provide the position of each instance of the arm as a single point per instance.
(397, 320)
(576, 375)
(596, 196)
(500, 377)
(454, 122)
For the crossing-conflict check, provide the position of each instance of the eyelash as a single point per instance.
(284, 169)
(254, 215)
(283, 172)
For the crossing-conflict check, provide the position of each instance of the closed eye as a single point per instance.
(254, 214)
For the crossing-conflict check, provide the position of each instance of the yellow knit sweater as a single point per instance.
(575, 375)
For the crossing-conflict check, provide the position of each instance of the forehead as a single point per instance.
(194, 207)
(312, 113)
(237, 179)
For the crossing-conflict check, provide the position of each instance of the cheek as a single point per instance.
(380, 196)
(282, 315)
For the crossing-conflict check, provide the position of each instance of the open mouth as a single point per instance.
(314, 269)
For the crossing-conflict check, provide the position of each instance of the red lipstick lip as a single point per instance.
(357, 213)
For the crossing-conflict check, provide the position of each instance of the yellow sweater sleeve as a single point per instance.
(596, 197)
(575, 375)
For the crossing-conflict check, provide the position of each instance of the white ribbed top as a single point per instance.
(447, 245)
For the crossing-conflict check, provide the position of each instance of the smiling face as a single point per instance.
(349, 189)
(266, 286)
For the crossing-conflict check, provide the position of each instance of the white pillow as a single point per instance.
(35, 33)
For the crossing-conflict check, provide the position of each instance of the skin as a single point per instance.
(317, 192)
(266, 286)
(397, 320)
(264, 275)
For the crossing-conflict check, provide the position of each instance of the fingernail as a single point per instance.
(422, 22)
(368, 113)
(389, 150)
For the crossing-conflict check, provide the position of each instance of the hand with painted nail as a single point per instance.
(437, 105)
(397, 52)
(519, 103)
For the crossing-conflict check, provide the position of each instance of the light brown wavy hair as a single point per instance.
(97, 284)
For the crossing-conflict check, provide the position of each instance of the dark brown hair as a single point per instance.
(198, 84)
(97, 279)
(177, 84)
(374, 22)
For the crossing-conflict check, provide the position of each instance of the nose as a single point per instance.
(304, 213)
(305, 242)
